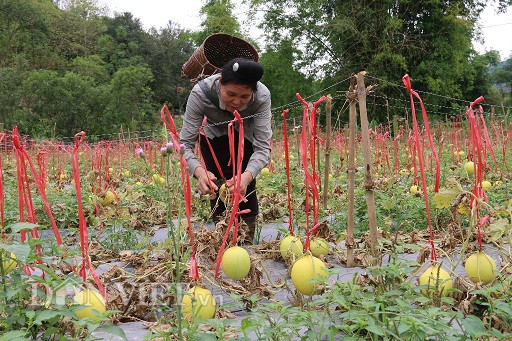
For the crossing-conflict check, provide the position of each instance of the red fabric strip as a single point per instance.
(167, 119)
(84, 234)
(201, 130)
(2, 202)
(287, 166)
(407, 82)
(303, 154)
(42, 192)
(237, 176)
(488, 143)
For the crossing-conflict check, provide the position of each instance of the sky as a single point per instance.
(496, 29)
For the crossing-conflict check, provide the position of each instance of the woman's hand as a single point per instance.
(244, 182)
(203, 185)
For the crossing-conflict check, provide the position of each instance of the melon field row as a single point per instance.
(69, 209)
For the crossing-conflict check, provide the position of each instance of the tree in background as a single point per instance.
(92, 67)
(165, 52)
(24, 33)
(502, 75)
(481, 79)
(120, 45)
(281, 75)
(55, 105)
(11, 103)
(65, 66)
(130, 94)
(430, 40)
(218, 18)
(75, 27)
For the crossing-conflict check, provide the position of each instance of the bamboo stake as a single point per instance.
(505, 116)
(328, 108)
(368, 181)
(351, 170)
(387, 111)
(121, 135)
(395, 125)
(297, 136)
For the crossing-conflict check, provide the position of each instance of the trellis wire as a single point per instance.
(145, 134)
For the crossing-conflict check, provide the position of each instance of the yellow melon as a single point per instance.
(8, 263)
(486, 185)
(469, 167)
(236, 262)
(307, 272)
(480, 268)
(93, 302)
(198, 303)
(319, 246)
(436, 279)
(290, 245)
(265, 171)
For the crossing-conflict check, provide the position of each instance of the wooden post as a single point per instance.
(368, 181)
(122, 132)
(297, 137)
(387, 111)
(328, 108)
(505, 117)
(395, 125)
(492, 113)
(351, 170)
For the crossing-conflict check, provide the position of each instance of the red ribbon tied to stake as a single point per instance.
(418, 147)
(84, 234)
(167, 119)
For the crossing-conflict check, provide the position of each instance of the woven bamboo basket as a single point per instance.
(216, 50)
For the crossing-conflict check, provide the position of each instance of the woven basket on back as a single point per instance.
(214, 53)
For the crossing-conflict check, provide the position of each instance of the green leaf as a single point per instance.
(206, 337)
(50, 333)
(45, 315)
(496, 230)
(30, 314)
(473, 325)
(375, 329)
(11, 292)
(17, 227)
(115, 330)
(15, 335)
(245, 325)
(402, 328)
(445, 196)
(422, 299)
(504, 307)
(20, 250)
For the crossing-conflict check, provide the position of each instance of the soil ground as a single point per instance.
(277, 270)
